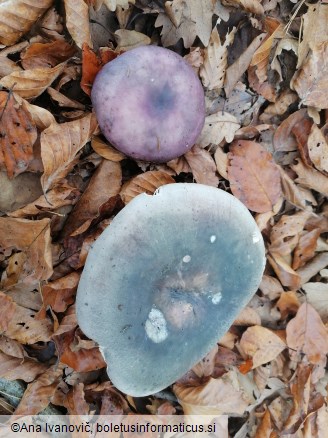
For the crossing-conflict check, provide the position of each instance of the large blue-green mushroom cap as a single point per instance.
(165, 281)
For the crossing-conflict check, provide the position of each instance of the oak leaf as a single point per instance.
(59, 145)
(17, 136)
(77, 21)
(46, 55)
(146, 182)
(261, 344)
(29, 84)
(311, 80)
(186, 20)
(253, 175)
(307, 334)
(18, 16)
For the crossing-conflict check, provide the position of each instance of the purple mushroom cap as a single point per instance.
(149, 104)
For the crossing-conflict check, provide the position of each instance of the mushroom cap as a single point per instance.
(166, 280)
(149, 104)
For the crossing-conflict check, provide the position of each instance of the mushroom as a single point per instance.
(149, 104)
(165, 281)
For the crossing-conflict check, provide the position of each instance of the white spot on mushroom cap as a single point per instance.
(186, 258)
(216, 298)
(213, 238)
(256, 236)
(155, 326)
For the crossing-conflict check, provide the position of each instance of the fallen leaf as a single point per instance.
(12, 368)
(92, 63)
(214, 397)
(46, 55)
(287, 276)
(51, 25)
(217, 127)
(33, 262)
(146, 182)
(307, 334)
(17, 136)
(254, 177)
(261, 344)
(23, 327)
(283, 140)
(105, 183)
(314, 30)
(301, 131)
(186, 20)
(318, 148)
(8, 309)
(248, 317)
(306, 247)
(314, 266)
(266, 428)
(18, 16)
(59, 294)
(59, 145)
(64, 101)
(111, 401)
(112, 5)
(75, 401)
(11, 347)
(38, 393)
(311, 80)
(130, 39)
(106, 150)
(57, 197)
(77, 22)
(238, 68)
(288, 304)
(317, 296)
(270, 287)
(310, 178)
(19, 191)
(206, 366)
(222, 162)
(252, 6)
(202, 166)
(29, 84)
(280, 106)
(291, 191)
(212, 71)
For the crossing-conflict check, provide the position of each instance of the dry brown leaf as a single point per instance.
(291, 191)
(206, 366)
(266, 428)
(311, 178)
(238, 68)
(38, 393)
(214, 397)
(146, 182)
(252, 6)
(130, 39)
(29, 84)
(247, 317)
(202, 166)
(307, 334)
(23, 326)
(106, 150)
(287, 276)
(18, 16)
(254, 177)
(186, 20)
(8, 309)
(77, 22)
(306, 247)
(33, 261)
(317, 296)
(318, 148)
(222, 162)
(195, 58)
(41, 117)
(51, 25)
(75, 401)
(105, 183)
(59, 145)
(59, 294)
(311, 81)
(212, 71)
(17, 136)
(261, 344)
(284, 100)
(283, 140)
(46, 55)
(217, 127)
(314, 30)
(64, 101)
(264, 89)
(112, 5)
(288, 304)
(271, 287)
(11, 347)
(314, 266)
(12, 368)
(59, 196)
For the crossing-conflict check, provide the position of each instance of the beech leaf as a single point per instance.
(77, 21)
(253, 175)
(202, 166)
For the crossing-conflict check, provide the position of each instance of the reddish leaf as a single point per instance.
(253, 175)
(59, 294)
(302, 130)
(92, 63)
(17, 136)
(46, 54)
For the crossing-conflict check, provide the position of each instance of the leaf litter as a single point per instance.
(264, 71)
